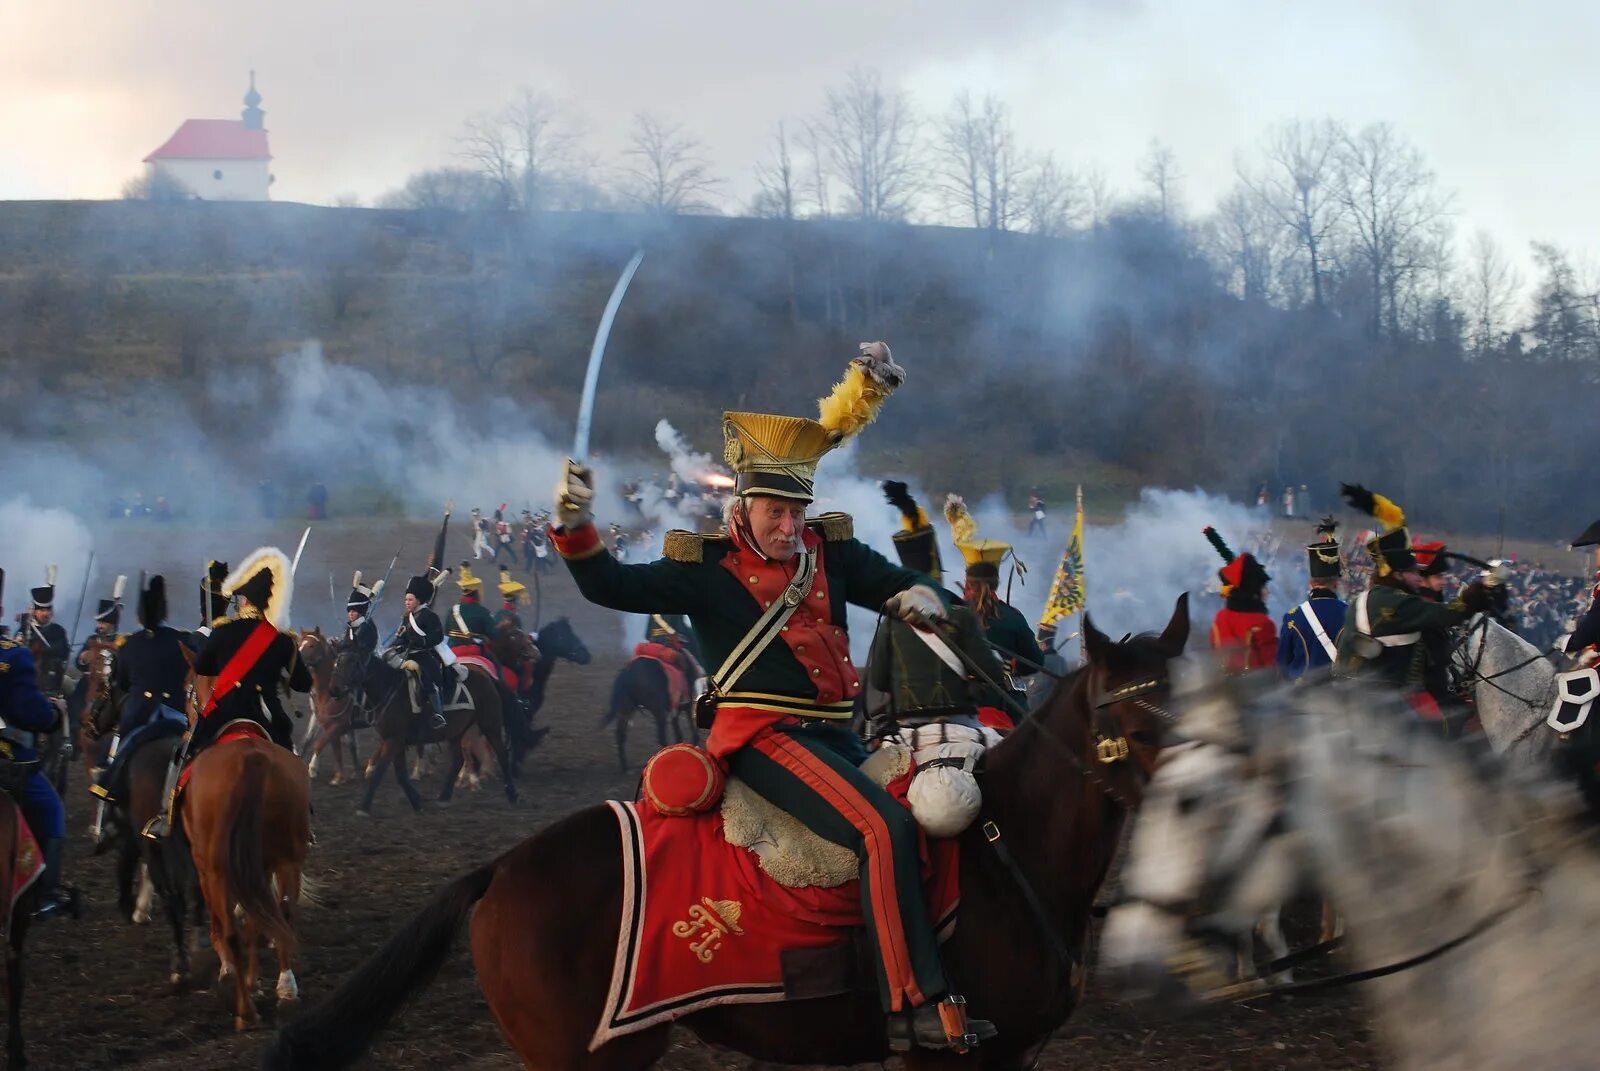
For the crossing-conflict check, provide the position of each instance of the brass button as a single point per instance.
(816, 673)
(784, 629)
(838, 632)
(753, 580)
(822, 594)
(800, 649)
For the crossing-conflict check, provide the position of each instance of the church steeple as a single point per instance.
(253, 115)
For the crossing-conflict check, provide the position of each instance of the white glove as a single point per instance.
(916, 606)
(574, 494)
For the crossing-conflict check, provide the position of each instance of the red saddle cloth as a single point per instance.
(702, 924)
(671, 663)
(237, 729)
(474, 655)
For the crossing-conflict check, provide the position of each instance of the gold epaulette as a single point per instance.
(121, 639)
(685, 546)
(833, 527)
(218, 622)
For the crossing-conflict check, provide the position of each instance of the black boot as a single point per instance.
(54, 900)
(939, 1026)
(160, 827)
(438, 707)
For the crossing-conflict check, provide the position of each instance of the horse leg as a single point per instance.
(377, 766)
(311, 747)
(172, 900)
(147, 890)
(412, 795)
(622, 740)
(661, 726)
(497, 741)
(1271, 931)
(244, 1008)
(16, 1058)
(457, 757)
(288, 989)
(355, 753)
(127, 872)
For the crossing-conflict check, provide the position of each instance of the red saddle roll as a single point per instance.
(681, 780)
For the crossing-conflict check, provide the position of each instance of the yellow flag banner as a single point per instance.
(1067, 590)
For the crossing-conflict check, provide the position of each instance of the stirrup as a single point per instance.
(942, 1026)
(157, 828)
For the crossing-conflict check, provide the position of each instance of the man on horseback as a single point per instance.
(1003, 624)
(248, 659)
(1587, 632)
(470, 620)
(767, 599)
(1390, 629)
(1311, 630)
(512, 594)
(153, 674)
(1246, 637)
(25, 713)
(415, 644)
(40, 627)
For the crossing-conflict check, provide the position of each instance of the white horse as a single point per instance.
(1422, 852)
(1513, 688)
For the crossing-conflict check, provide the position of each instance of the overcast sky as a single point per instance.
(1502, 98)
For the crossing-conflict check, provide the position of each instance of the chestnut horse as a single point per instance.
(545, 915)
(246, 819)
(333, 712)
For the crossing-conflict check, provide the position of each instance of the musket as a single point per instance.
(383, 585)
(436, 559)
(597, 352)
(72, 638)
(333, 598)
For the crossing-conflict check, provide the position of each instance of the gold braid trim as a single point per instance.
(833, 527)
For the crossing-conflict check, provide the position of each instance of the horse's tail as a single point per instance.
(339, 1030)
(620, 695)
(245, 867)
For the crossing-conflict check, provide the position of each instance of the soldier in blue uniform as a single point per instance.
(416, 642)
(39, 626)
(1309, 638)
(360, 633)
(153, 674)
(27, 712)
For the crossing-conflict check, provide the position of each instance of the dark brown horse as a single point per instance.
(388, 696)
(545, 916)
(246, 819)
(642, 685)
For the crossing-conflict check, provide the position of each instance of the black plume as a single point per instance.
(899, 496)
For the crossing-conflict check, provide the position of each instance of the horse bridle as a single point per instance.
(1471, 671)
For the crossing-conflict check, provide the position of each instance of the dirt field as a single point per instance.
(96, 988)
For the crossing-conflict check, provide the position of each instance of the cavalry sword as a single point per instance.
(597, 352)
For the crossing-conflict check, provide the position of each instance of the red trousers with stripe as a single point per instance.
(814, 775)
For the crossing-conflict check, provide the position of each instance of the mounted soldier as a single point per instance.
(1006, 629)
(470, 620)
(1586, 634)
(415, 646)
(107, 616)
(247, 660)
(1390, 629)
(916, 682)
(767, 599)
(1242, 631)
(360, 632)
(39, 627)
(1309, 641)
(513, 594)
(25, 714)
(153, 675)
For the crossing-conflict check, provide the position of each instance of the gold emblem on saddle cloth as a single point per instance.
(708, 923)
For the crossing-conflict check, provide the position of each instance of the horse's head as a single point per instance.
(99, 712)
(558, 640)
(1210, 854)
(513, 645)
(316, 651)
(349, 667)
(1127, 684)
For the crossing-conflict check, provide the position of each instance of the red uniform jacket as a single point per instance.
(1247, 640)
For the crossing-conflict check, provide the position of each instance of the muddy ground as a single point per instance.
(96, 987)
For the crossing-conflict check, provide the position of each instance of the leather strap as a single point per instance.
(1364, 626)
(766, 628)
(242, 662)
(1315, 624)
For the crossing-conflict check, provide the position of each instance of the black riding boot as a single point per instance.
(53, 899)
(437, 697)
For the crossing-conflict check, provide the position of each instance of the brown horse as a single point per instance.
(641, 685)
(16, 930)
(246, 819)
(387, 690)
(333, 713)
(546, 915)
(98, 716)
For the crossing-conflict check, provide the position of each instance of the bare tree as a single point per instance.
(1248, 242)
(817, 185)
(1160, 170)
(870, 136)
(1391, 202)
(1489, 286)
(1052, 198)
(1300, 184)
(779, 181)
(449, 189)
(978, 164)
(523, 148)
(665, 171)
(1101, 199)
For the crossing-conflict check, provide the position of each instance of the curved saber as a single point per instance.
(597, 352)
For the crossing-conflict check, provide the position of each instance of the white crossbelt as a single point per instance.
(1318, 631)
(1364, 626)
